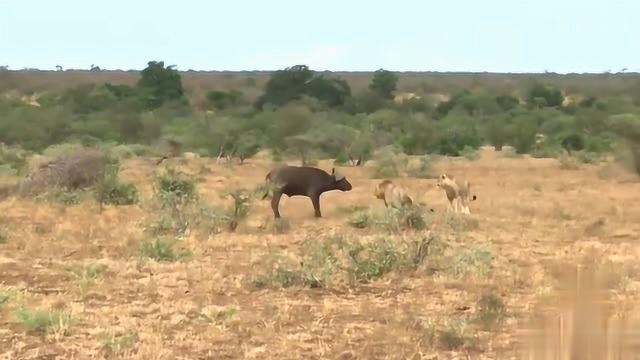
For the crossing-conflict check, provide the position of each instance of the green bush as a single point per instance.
(424, 169)
(390, 163)
(111, 191)
(525, 129)
(455, 132)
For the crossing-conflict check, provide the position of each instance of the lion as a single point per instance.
(458, 193)
(394, 195)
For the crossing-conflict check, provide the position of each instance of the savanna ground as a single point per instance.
(470, 295)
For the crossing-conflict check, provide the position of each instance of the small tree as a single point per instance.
(285, 85)
(159, 84)
(627, 126)
(524, 131)
(572, 142)
(247, 145)
(333, 92)
(361, 149)
(544, 95)
(303, 145)
(384, 83)
(507, 102)
(497, 131)
(221, 100)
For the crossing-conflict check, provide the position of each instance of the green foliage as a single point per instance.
(176, 188)
(424, 169)
(455, 132)
(627, 126)
(61, 196)
(543, 95)
(159, 84)
(13, 157)
(161, 249)
(573, 142)
(39, 321)
(389, 163)
(470, 153)
(304, 146)
(332, 92)
(497, 131)
(111, 191)
(491, 310)
(384, 83)
(89, 98)
(360, 260)
(507, 102)
(247, 145)
(391, 219)
(285, 85)
(222, 100)
(525, 129)
(314, 115)
(294, 82)
(241, 206)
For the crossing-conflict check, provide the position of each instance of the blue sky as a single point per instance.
(350, 35)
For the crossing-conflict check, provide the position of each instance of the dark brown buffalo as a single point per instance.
(303, 181)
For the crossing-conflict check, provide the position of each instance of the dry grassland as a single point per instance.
(535, 239)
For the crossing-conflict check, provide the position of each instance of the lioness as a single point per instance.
(458, 193)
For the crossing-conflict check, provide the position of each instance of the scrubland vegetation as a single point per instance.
(317, 115)
(106, 252)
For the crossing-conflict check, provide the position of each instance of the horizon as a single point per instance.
(488, 73)
(459, 36)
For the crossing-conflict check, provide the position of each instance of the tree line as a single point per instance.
(315, 115)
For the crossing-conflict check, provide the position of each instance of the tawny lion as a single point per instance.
(394, 195)
(458, 193)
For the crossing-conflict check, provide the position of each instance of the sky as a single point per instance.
(349, 35)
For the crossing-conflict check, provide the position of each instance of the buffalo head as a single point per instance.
(341, 182)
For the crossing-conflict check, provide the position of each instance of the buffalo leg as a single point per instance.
(275, 202)
(315, 200)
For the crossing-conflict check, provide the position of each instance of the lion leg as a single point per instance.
(449, 207)
(466, 207)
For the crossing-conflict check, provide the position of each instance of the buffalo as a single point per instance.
(303, 181)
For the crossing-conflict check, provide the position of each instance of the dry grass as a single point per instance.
(73, 284)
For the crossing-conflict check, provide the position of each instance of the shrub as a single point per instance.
(572, 142)
(111, 191)
(424, 170)
(524, 134)
(546, 149)
(454, 132)
(15, 158)
(391, 219)
(39, 321)
(469, 153)
(627, 126)
(491, 310)
(161, 249)
(128, 151)
(497, 131)
(389, 163)
(360, 260)
(71, 171)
